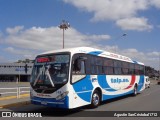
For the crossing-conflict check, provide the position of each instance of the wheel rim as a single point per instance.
(95, 99)
(135, 90)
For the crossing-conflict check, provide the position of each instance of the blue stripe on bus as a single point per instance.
(107, 97)
(84, 87)
(140, 83)
(135, 62)
(95, 53)
(104, 84)
(51, 102)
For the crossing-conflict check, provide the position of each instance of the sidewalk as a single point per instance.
(11, 101)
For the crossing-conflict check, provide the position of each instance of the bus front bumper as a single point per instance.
(51, 102)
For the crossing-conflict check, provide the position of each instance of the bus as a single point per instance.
(75, 77)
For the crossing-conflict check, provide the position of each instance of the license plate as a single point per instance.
(44, 103)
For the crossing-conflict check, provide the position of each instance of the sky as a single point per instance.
(127, 27)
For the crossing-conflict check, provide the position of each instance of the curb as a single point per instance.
(15, 104)
(13, 97)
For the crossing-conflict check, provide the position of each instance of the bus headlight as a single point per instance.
(61, 96)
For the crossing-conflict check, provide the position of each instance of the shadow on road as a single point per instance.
(85, 111)
(118, 98)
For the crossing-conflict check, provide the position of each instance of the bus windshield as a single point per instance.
(50, 70)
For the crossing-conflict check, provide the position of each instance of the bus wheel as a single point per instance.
(95, 99)
(135, 90)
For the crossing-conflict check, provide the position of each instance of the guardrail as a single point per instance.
(20, 90)
(15, 90)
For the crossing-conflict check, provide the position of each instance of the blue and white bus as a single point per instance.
(70, 78)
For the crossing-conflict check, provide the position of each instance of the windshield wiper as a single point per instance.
(46, 74)
(50, 79)
(38, 75)
(36, 79)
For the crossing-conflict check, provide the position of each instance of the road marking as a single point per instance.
(13, 97)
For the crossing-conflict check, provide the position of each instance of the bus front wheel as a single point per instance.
(95, 99)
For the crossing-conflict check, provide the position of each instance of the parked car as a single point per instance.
(147, 82)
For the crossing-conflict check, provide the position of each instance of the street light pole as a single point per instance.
(123, 35)
(159, 66)
(64, 25)
(19, 73)
(63, 38)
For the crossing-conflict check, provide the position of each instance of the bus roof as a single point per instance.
(96, 52)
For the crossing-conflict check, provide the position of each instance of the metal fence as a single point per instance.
(22, 90)
(18, 91)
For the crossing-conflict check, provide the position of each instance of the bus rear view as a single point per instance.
(49, 77)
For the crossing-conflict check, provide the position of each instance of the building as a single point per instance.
(12, 72)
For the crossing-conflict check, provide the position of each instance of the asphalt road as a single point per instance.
(148, 100)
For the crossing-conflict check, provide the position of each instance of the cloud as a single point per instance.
(14, 51)
(38, 38)
(26, 43)
(155, 3)
(139, 24)
(97, 37)
(157, 54)
(123, 12)
(21, 52)
(134, 54)
(14, 30)
(149, 59)
(110, 9)
(3, 59)
(1, 37)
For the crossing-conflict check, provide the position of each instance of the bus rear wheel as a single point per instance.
(95, 99)
(135, 90)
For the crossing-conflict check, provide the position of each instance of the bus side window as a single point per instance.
(76, 65)
(82, 70)
(79, 66)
